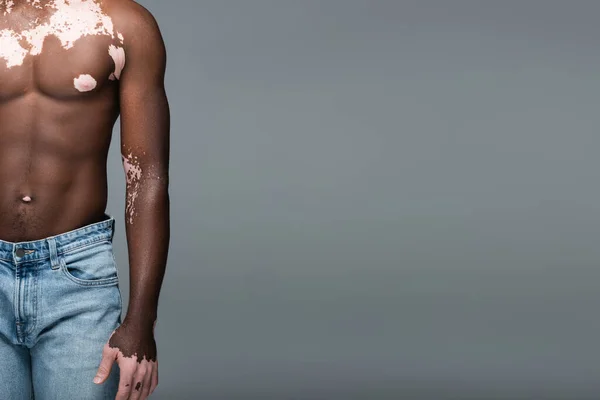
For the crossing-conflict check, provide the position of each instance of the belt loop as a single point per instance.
(54, 262)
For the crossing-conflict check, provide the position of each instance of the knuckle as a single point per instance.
(124, 391)
(102, 369)
(107, 349)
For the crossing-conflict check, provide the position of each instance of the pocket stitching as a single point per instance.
(84, 282)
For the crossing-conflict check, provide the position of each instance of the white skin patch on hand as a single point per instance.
(70, 21)
(84, 83)
(133, 175)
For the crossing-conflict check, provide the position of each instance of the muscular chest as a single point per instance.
(61, 48)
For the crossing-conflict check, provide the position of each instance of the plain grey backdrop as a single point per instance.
(379, 200)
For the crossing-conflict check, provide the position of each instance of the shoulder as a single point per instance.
(128, 9)
(134, 21)
(143, 46)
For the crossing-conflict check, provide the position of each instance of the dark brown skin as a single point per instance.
(54, 142)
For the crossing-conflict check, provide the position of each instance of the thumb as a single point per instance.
(108, 358)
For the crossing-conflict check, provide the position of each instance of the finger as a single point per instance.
(154, 378)
(147, 382)
(138, 381)
(124, 390)
(126, 379)
(108, 358)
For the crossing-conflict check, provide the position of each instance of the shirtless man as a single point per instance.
(68, 69)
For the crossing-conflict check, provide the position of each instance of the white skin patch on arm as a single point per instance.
(133, 175)
(70, 21)
(84, 83)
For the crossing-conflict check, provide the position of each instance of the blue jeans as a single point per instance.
(59, 303)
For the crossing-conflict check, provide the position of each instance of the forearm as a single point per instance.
(148, 235)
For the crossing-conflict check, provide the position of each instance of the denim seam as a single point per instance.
(16, 305)
(33, 321)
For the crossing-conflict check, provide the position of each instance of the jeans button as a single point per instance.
(20, 252)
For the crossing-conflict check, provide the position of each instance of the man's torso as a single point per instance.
(59, 67)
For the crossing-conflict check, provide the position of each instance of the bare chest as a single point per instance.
(61, 48)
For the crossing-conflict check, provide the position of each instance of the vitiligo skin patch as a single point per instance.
(133, 174)
(70, 21)
(84, 83)
(8, 5)
(118, 56)
(10, 48)
(134, 178)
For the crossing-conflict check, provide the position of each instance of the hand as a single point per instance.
(133, 347)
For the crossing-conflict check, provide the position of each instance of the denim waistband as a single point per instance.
(51, 246)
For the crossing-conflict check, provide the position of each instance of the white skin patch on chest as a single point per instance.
(84, 83)
(118, 56)
(70, 21)
(8, 6)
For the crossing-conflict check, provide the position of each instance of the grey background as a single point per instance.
(380, 200)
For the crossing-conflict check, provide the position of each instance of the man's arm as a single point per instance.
(145, 122)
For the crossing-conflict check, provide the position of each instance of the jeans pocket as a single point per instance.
(90, 265)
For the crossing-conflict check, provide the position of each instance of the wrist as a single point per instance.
(136, 319)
